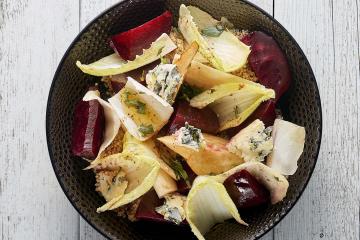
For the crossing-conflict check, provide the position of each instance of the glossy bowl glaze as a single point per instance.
(300, 105)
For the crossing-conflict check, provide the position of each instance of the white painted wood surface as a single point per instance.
(34, 35)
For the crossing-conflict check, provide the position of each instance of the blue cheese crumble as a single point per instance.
(252, 143)
(164, 80)
(189, 136)
(173, 208)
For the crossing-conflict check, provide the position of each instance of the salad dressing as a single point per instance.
(141, 113)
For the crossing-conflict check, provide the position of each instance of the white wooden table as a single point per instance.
(34, 35)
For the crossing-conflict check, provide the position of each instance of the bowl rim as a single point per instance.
(88, 25)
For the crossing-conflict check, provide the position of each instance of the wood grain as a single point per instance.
(33, 38)
(326, 30)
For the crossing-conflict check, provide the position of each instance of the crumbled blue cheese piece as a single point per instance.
(164, 80)
(189, 136)
(173, 208)
(252, 143)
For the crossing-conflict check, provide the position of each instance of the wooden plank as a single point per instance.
(34, 35)
(89, 9)
(267, 5)
(326, 30)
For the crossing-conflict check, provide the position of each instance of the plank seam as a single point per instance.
(334, 49)
(273, 8)
(357, 95)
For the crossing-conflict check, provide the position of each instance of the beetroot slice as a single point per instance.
(204, 119)
(265, 112)
(146, 209)
(246, 191)
(117, 85)
(88, 128)
(132, 42)
(268, 62)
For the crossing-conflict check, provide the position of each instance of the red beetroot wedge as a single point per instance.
(268, 62)
(265, 112)
(88, 128)
(146, 209)
(132, 42)
(246, 191)
(204, 119)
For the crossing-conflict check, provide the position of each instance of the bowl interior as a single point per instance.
(300, 105)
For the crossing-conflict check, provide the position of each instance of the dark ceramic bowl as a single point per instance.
(300, 105)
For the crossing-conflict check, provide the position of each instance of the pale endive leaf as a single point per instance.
(224, 51)
(215, 93)
(212, 158)
(232, 110)
(232, 102)
(141, 173)
(276, 183)
(207, 204)
(165, 181)
(289, 140)
(141, 169)
(205, 77)
(154, 115)
(114, 64)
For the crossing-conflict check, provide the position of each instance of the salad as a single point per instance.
(183, 127)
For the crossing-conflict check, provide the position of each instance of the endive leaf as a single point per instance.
(215, 93)
(233, 102)
(114, 64)
(207, 204)
(232, 110)
(141, 173)
(205, 77)
(212, 158)
(142, 122)
(289, 140)
(225, 52)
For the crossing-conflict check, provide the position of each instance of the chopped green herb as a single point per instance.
(164, 60)
(146, 129)
(277, 178)
(160, 50)
(176, 165)
(213, 31)
(187, 92)
(140, 106)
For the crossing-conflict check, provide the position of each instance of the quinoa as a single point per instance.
(116, 146)
(239, 33)
(246, 72)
